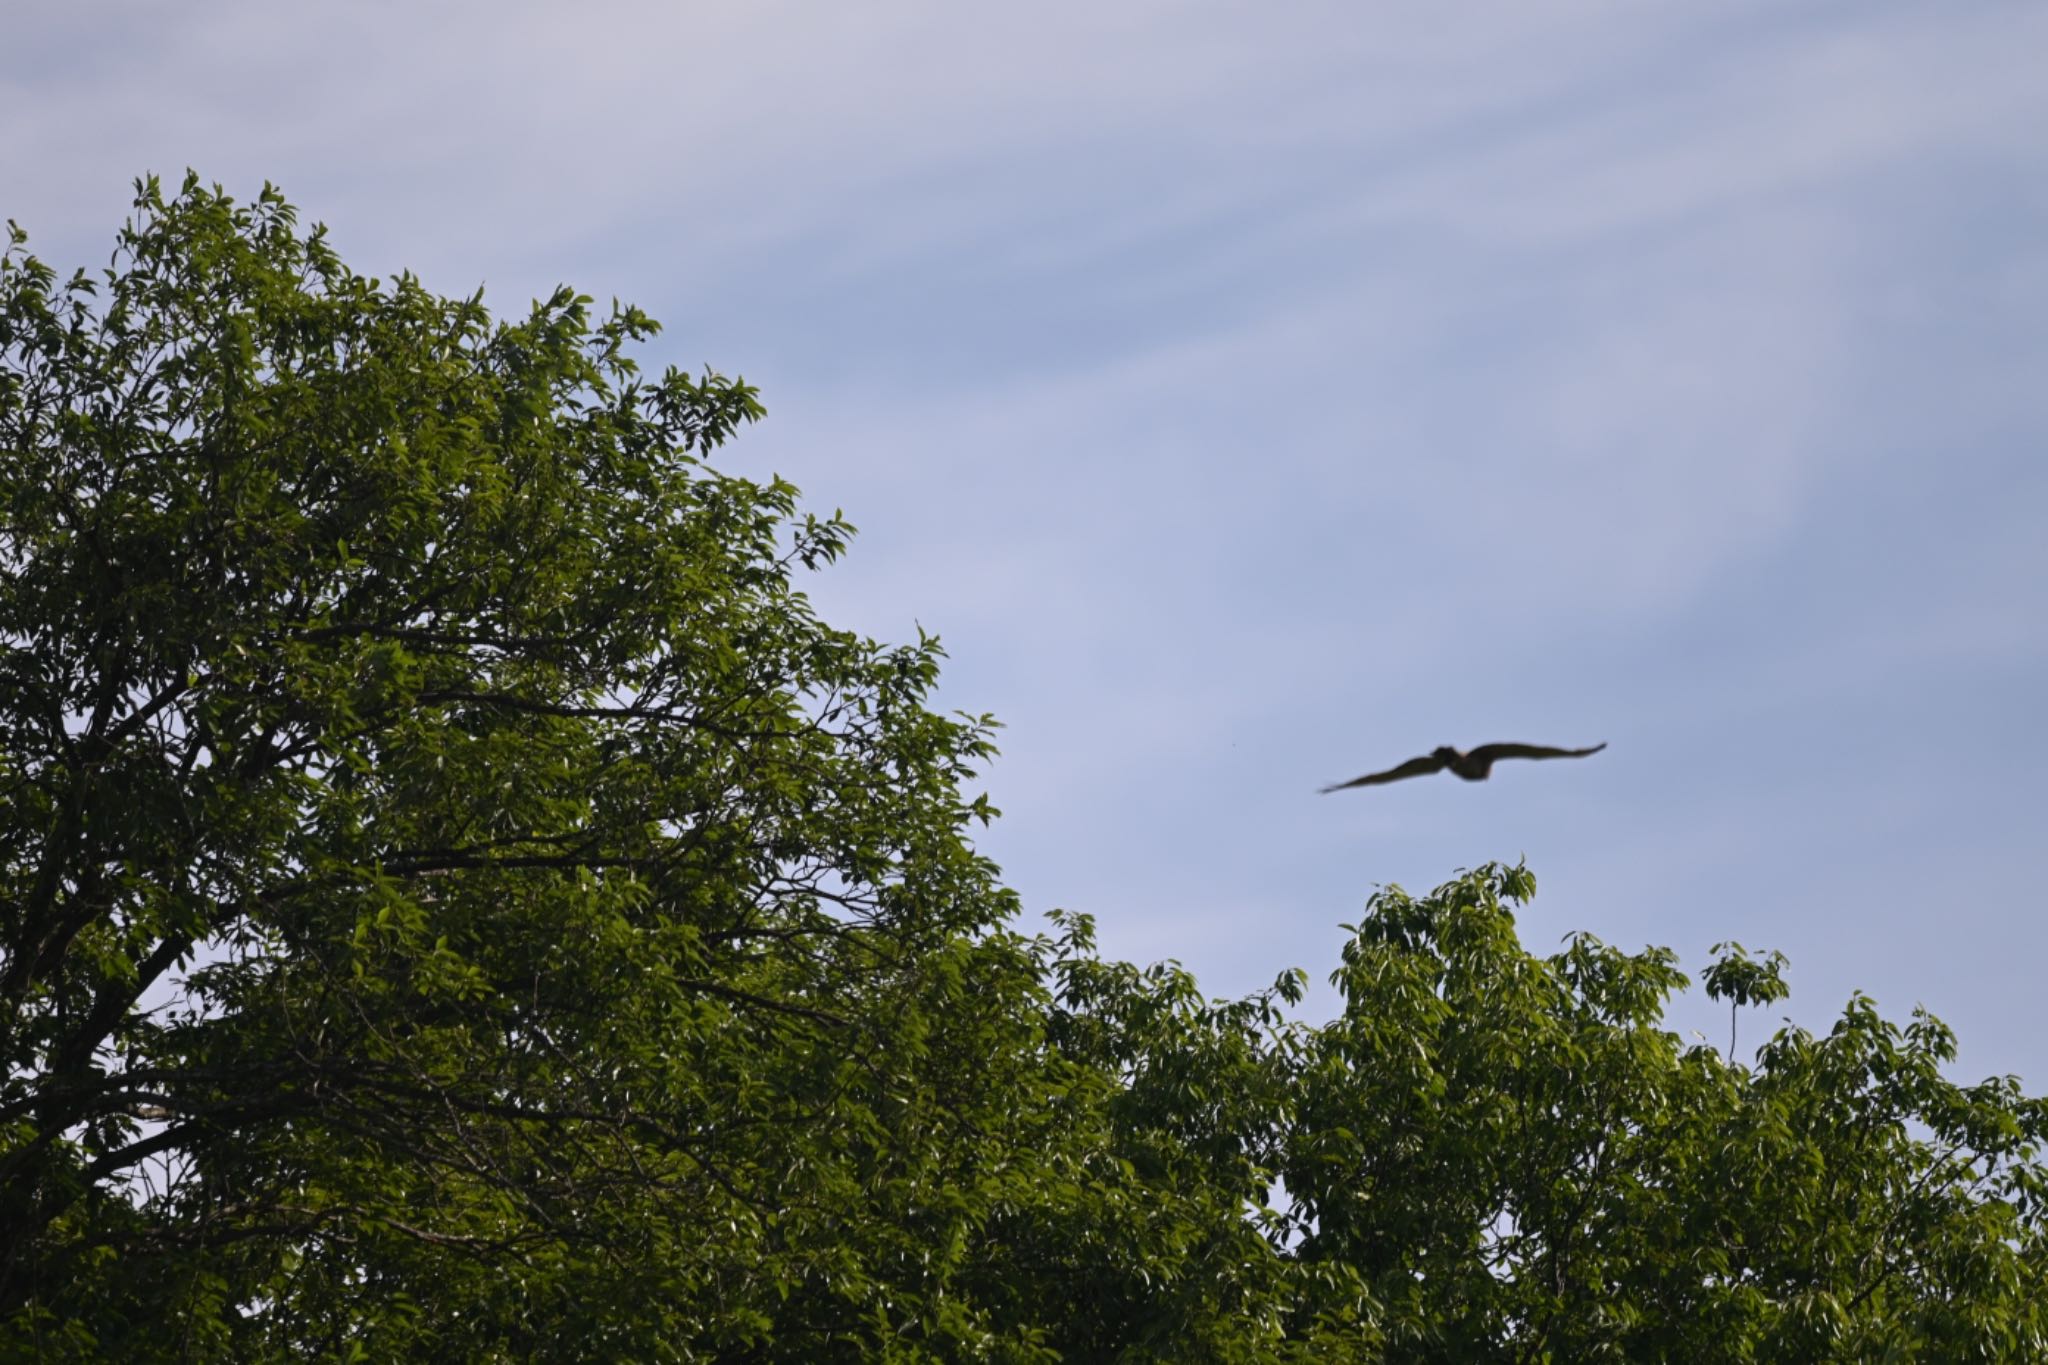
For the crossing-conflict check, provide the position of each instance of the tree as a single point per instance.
(457, 901)
(1519, 1163)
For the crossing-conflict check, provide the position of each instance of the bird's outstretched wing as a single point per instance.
(1414, 767)
(1493, 753)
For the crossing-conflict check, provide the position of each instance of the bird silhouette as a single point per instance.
(1473, 766)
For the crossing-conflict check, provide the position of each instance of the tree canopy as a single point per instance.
(458, 901)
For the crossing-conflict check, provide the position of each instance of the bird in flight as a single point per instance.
(1473, 766)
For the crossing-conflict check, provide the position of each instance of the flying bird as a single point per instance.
(1472, 766)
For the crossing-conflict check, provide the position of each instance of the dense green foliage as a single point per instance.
(458, 902)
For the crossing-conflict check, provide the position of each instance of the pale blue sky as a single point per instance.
(1252, 395)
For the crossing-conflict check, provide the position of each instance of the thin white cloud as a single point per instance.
(1308, 379)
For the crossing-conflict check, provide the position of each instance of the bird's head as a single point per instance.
(1444, 753)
